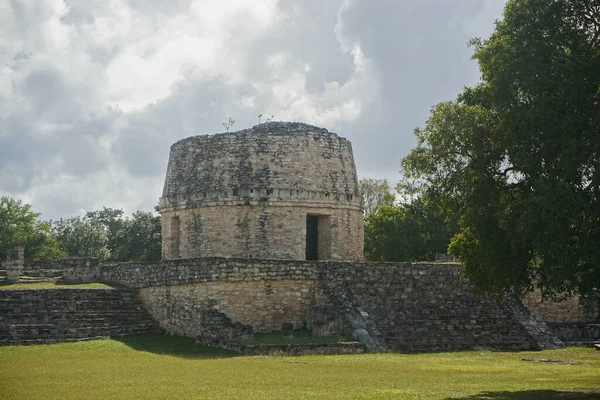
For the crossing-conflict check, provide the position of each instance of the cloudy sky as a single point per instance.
(94, 92)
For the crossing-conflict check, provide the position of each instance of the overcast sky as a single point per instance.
(94, 92)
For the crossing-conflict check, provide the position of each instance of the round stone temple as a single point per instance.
(279, 190)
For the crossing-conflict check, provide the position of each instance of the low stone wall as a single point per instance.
(401, 306)
(426, 307)
(57, 315)
(576, 331)
(201, 270)
(568, 310)
(397, 306)
(265, 305)
(297, 349)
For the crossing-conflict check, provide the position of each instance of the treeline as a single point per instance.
(511, 167)
(106, 234)
(403, 227)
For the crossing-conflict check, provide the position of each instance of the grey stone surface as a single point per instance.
(575, 331)
(14, 264)
(297, 349)
(32, 316)
(542, 338)
(248, 193)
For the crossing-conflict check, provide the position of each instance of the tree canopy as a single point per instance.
(517, 157)
(104, 234)
(108, 235)
(21, 226)
(375, 193)
(413, 231)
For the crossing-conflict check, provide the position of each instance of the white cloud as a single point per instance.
(94, 92)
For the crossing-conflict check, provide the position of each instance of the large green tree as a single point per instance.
(517, 157)
(413, 231)
(141, 238)
(82, 237)
(108, 235)
(20, 225)
(375, 193)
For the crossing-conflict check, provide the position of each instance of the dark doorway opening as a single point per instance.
(312, 237)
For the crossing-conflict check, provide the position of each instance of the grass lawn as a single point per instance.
(51, 283)
(176, 368)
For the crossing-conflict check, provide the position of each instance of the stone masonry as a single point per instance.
(32, 316)
(248, 194)
(387, 306)
(263, 231)
(14, 264)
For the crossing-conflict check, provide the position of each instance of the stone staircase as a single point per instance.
(32, 316)
(577, 333)
(426, 307)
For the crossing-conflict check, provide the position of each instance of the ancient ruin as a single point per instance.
(263, 231)
(278, 190)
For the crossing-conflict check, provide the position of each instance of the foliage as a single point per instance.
(82, 237)
(406, 232)
(375, 193)
(170, 367)
(141, 238)
(228, 124)
(268, 119)
(517, 158)
(107, 235)
(19, 225)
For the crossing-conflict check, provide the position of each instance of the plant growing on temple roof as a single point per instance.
(228, 124)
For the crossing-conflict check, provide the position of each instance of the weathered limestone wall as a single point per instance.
(201, 270)
(248, 193)
(401, 306)
(262, 232)
(553, 311)
(264, 305)
(409, 307)
(574, 309)
(59, 266)
(14, 264)
(57, 315)
(424, 307)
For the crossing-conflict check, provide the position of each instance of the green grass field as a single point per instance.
(176, 368)
(51, 283)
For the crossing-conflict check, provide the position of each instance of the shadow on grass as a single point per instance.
(577, 394)
(177, 346)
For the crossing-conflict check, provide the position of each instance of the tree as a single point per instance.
(113, 224)
(82, 237)
(142, 240)
(19, 225)
(517, 158)
(107, 235)
(407, 232)
(375, 193)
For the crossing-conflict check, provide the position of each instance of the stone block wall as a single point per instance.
(248, 194)
(264, 305)
(14, 264)
(426, 307)
(401, 306)
(398, 306)
(264, 232)
(201, 270)
(573, 309)
(56, 315)
(58, 267)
